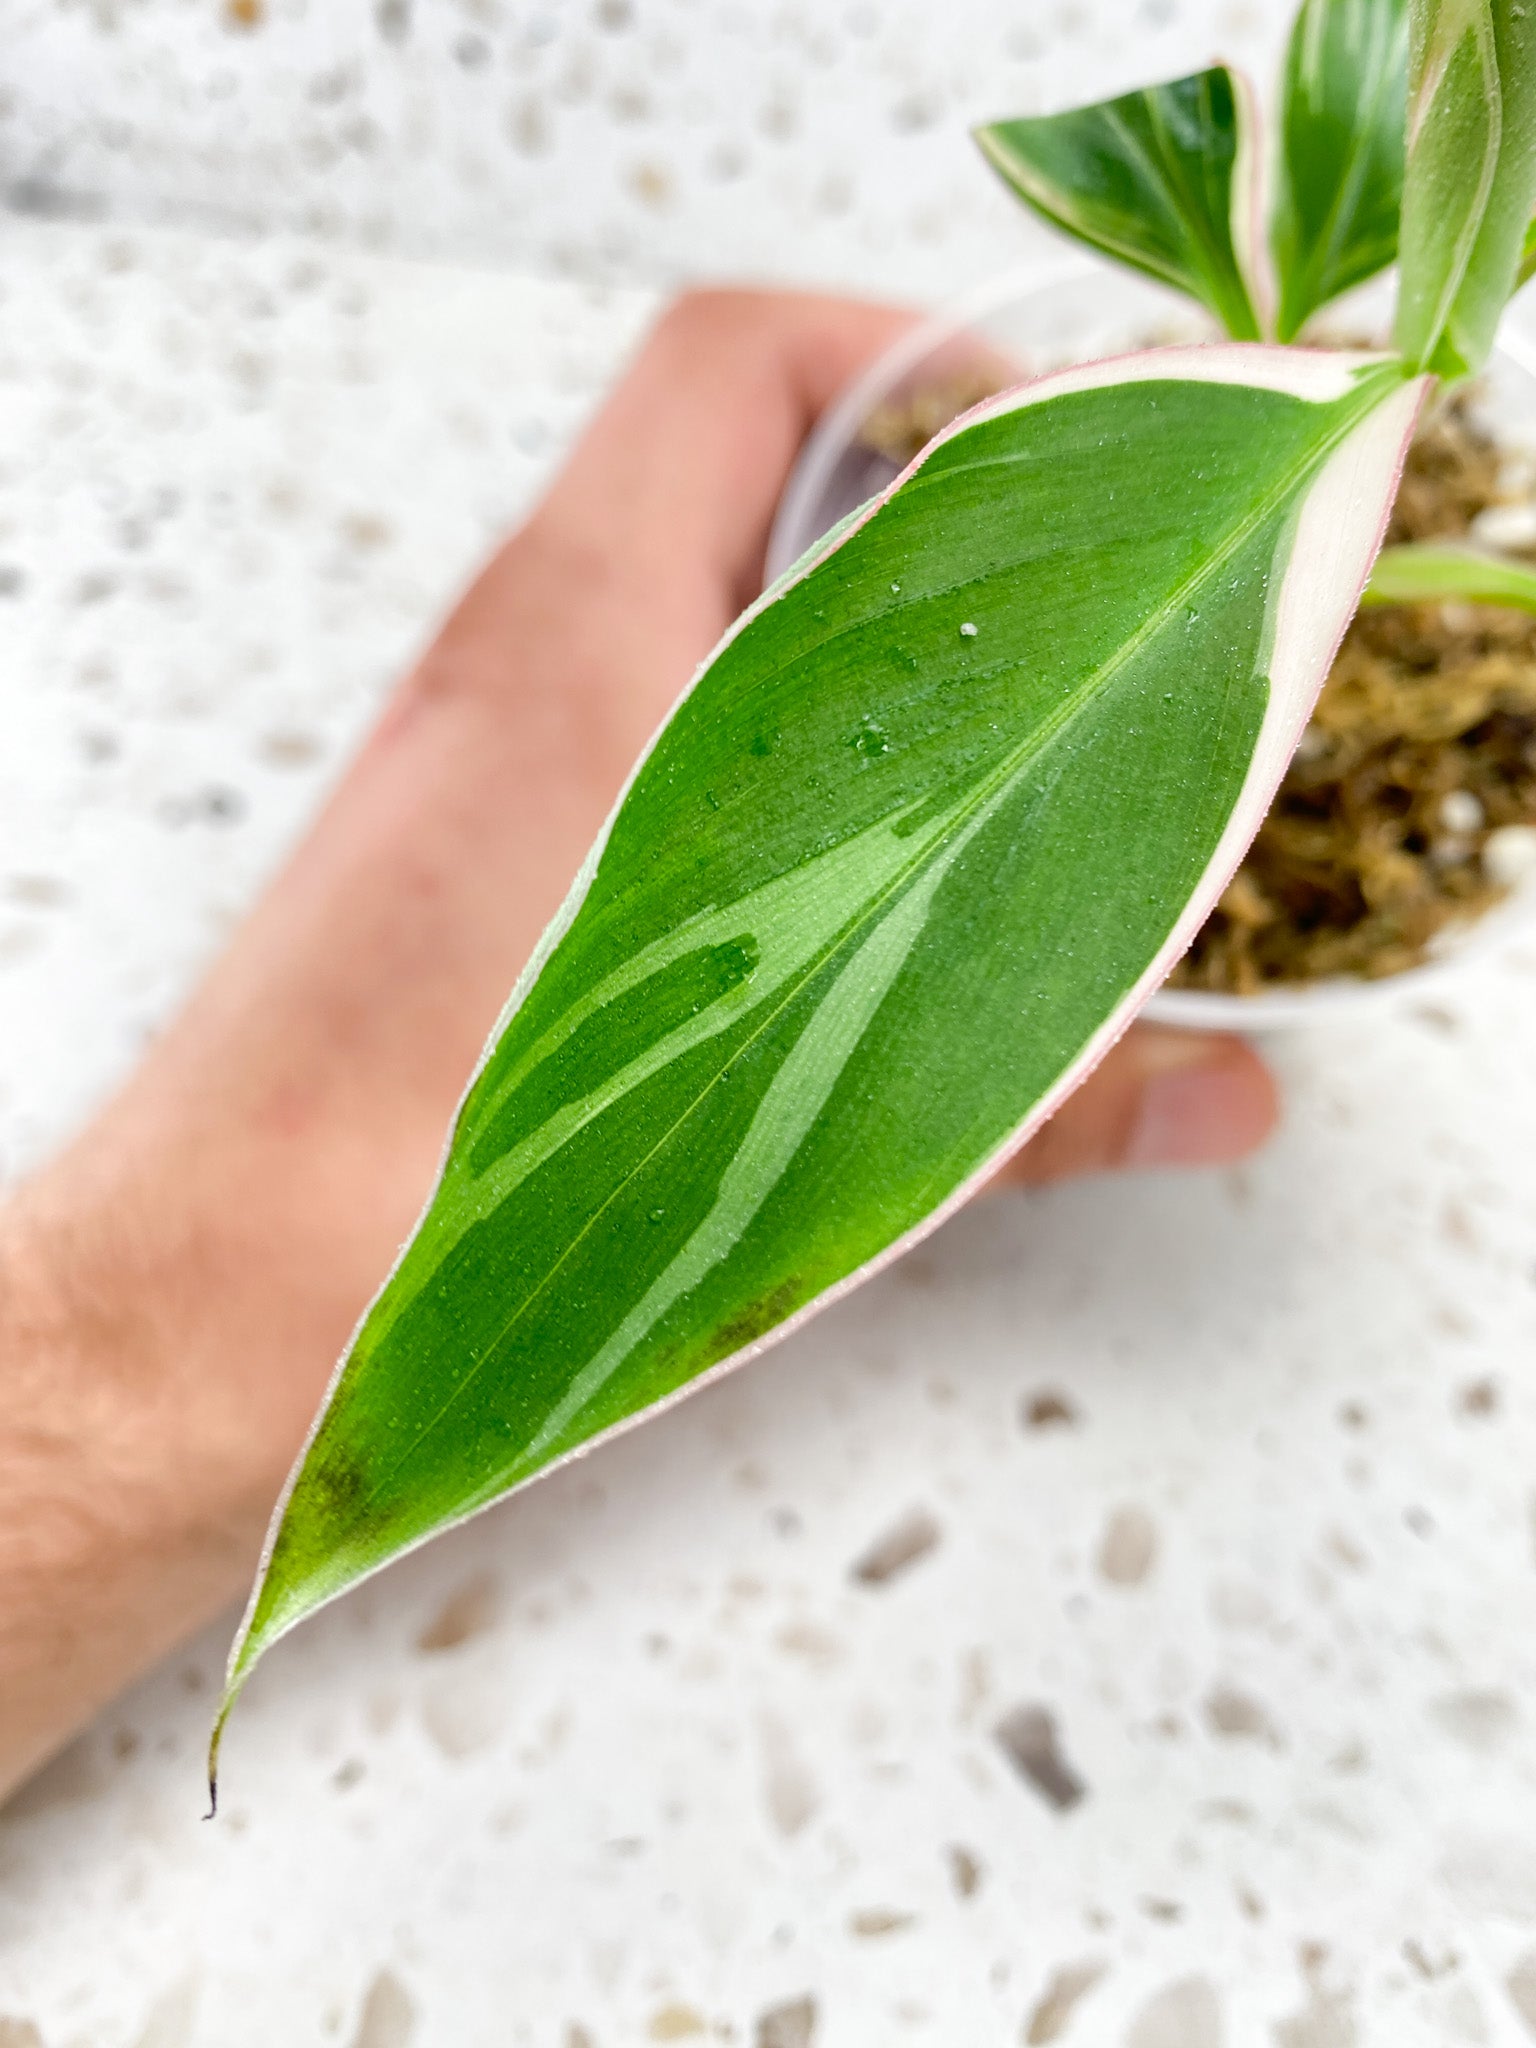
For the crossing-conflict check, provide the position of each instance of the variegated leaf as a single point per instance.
(1165, 180)
(935, 818)
(1340, 178)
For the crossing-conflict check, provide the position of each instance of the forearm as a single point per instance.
(124, 1521)
(175, 1289)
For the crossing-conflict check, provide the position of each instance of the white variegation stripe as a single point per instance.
(1318, 375)
(1250, 203)
(790, 1106)
(796, 1096)
(1311, 33)
(792, 919)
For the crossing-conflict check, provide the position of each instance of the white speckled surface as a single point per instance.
(634, 138)
(236, 486)
(1274, 1574)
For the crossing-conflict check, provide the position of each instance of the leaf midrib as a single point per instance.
(1023, 757)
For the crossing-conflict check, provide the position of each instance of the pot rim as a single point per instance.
(1338, 999)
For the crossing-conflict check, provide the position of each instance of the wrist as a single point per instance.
(109, 1331)
(119, 1534)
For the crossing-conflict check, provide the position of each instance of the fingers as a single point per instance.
(683, 466)
(1161, 1098)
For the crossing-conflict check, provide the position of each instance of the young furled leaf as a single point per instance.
(1494, 268)
(938, 814)
(1469, 186)
(1340, 175)
(1454, 119)
(1164, 179)
(1429, 572)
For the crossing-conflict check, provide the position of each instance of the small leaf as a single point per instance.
(1469, 188)
(800, 1004)
(1341, 151)
(1527, 257)
(1162, 179)
(1426, 572)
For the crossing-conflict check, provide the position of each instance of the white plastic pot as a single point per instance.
(1081, 311)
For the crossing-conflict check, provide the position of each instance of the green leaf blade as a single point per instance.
(1340, 174)
(1162, 180)
(882, 891)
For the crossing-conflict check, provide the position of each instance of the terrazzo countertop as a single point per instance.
(1115, 1625)
(623, 139)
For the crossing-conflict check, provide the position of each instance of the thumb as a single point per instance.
(1159, 1098)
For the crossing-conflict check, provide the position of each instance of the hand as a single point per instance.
(175, 1290)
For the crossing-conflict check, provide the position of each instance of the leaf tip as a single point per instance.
(985, 135)
(233, 1686)
(213, 1765)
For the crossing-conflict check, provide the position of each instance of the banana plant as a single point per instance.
(940, 811)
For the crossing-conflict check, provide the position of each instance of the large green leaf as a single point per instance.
(1470, 182)
(937, 815)
(1340, 178)
(1162, 179)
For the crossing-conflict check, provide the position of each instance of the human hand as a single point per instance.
(174, 1291)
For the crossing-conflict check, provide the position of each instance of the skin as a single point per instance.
(162, 1345)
